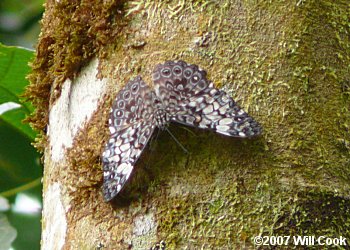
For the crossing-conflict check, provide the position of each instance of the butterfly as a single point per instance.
(181, 94)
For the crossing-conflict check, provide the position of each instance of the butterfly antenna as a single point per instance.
(183, 148)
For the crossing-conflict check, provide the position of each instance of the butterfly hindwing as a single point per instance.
(192, 100)
(121, 153)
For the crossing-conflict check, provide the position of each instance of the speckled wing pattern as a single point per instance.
(183, 95)
(131, 124)
(192, 100)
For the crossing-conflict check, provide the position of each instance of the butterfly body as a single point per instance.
(181, 94)
(161, 118)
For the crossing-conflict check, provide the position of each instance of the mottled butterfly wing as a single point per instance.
(191, 99)
(132, 104)
(131, 124)
(159, 246)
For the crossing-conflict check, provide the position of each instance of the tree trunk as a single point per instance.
(285, 62)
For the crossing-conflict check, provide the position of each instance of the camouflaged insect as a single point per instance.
(182, 94)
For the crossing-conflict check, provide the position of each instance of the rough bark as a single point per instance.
(285, 62)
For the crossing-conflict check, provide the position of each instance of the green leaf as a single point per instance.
(14, 117)
(19, 161)
(13, 70)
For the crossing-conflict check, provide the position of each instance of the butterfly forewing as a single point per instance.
(131, 124)
(132, 103)
(193, 100)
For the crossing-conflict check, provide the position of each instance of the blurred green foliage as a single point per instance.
(13, 69)
(20, 168)
(19, 22)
